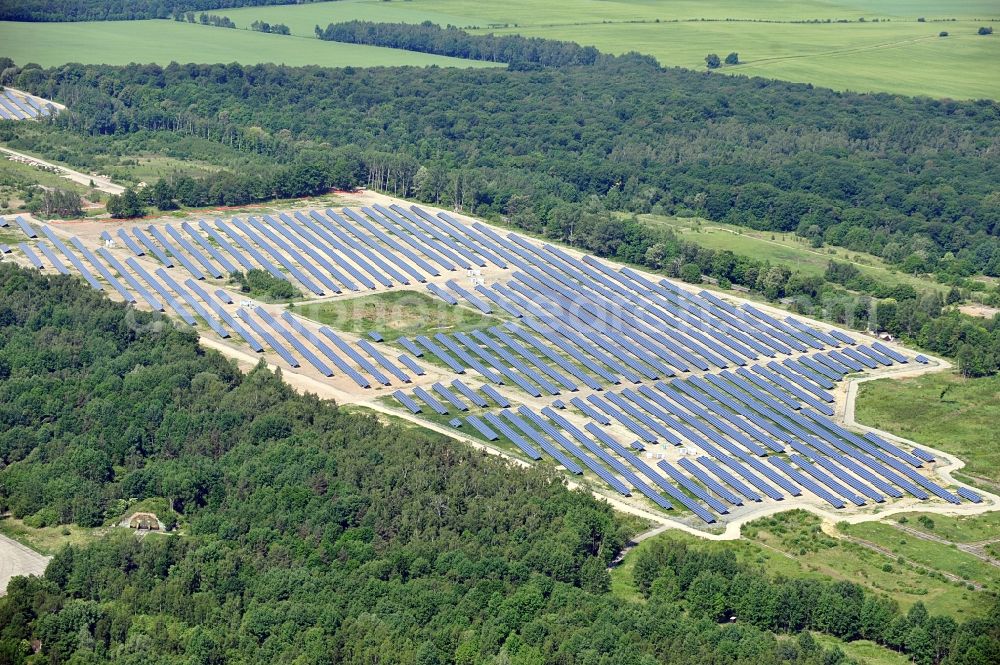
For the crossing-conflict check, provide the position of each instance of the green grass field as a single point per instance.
(863, 651)
(785, 249)
(894, 54)
(964, 529)
(162, 42)
(396, 313)
(963, 421)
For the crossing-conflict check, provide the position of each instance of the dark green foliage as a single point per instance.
(712, 61)
(258, 282)
(733, 58)
(313, 535)
(127, 205)
(277, 28)
(985, 30)
(519, 52)
(713, 585)
(215, 20)
(116, 10)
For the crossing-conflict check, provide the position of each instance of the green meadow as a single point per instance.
(162, 42)
(889, 51)
(942, 410)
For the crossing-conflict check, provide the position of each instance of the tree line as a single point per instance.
(118, 10)
(305, 533)
(427, 37)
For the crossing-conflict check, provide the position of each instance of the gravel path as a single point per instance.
(16, 559)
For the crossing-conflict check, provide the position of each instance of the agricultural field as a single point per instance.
(162, 42)
(784, 249)
(889, 51)
(941, 410)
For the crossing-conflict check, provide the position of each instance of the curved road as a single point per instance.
(101, 183)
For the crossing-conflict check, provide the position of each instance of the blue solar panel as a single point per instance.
(292, 229)
(816, 376)
(226, 317)
(173, 251)
(465, 357)
(235, 253)
(729, 479)
(845, 361)
(922, 359)
(451, 248)
(969, 495)
(512, 360)
(590, 411)
(76, 262)
(105, 273)
(405, 400)
(514, 437)
(247, 247)
(53, 259)
(842, 337)
(450, 396)
(132, 281)
(455, 422)
(224, 296)
(519, 348)
(407, 232)
(768, 473)
(35, 261)
(479, 243)
(278, 256)
(219, 257)
(27, 228)
(482, 428)
(498, 301)
(192, 303)
(442, 294)
(336, 237)
(541, 442)
(410, 346)
(391, 242)
(709, 482)
(818, 334)
(469, 393)
(473, 300)
(635, 427)
(4, 249)
(351, 353)
(490, 392)
(553, 356)
(268, 337)
(153, 282)
(875, 355)
(190, 249)
(809, 484)
(799, 381)
(692, 487)
(440, 353)
(130, 243)
(341, 364)
(152, 247)
(859, 357)
(383, 361)
(411, 364)
(430, 401)
(825, 479)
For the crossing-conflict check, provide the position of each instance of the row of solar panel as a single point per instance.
(15, 107)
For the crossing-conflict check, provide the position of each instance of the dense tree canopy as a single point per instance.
(910, 180)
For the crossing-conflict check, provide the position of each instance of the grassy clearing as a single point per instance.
(941, 410)
(864, 651)
(965, 529)
(47, 540)
(396, 313)
(793, 545)
(895, 54)
(936, 556)
(785, 249)
(162, 42)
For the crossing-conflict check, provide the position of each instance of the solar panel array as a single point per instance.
(22, 106)
(633, 365)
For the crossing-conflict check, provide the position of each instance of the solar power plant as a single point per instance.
(666, 397)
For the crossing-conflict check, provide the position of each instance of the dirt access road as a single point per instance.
(16, 559)
(100, 183)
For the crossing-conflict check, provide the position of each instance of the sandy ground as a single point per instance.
(100, 182)
(343, 390)
(16, 559)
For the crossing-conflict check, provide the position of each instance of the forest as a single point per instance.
(309, 534)
(116, 10)
(911, 180)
